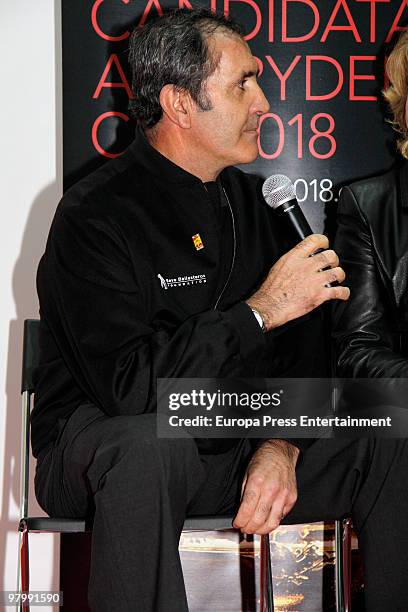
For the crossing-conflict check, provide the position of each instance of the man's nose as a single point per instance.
(261, 103)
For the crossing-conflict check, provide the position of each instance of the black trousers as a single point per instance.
(140, 489)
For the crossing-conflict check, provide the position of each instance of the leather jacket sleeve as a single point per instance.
(363, 327)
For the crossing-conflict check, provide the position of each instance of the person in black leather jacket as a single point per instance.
(370, 331)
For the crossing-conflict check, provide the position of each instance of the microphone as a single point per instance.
(279, 193)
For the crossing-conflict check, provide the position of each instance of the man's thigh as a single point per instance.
(91, 445)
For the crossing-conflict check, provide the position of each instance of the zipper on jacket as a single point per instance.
(233, 250)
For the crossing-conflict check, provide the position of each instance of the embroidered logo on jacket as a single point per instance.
(198, 243)
(163, 282)
(181, 281)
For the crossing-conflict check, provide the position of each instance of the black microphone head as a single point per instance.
(278, 189)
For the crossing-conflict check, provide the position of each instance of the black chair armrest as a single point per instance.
(208, 523)
(52, 525)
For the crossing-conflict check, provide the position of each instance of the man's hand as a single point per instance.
(269, 488)
(298, 283)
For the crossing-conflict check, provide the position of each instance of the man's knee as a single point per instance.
(140, 434)
(132, 448)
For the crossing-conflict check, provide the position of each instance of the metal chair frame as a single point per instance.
(29, 524)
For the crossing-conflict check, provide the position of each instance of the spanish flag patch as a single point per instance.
(198, 243)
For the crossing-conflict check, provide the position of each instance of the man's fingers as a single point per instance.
(337, 293)
(311, 244)
(326, 259)
(290, 502)
(274, 521)
(272, 504)
(243, 485)
(263, 523)
(260, 518)
(280, 508)
(249, 502)
(333, 275)
(256, 503)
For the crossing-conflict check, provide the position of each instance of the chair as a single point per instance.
(29, 524)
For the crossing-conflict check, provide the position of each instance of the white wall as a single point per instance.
(30, 180)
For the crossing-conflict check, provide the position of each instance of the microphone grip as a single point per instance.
(297, 225)
(294, 219)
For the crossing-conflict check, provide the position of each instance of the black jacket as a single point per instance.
(370, 330)
(126, 297)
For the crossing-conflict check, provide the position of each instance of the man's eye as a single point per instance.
(241, 84)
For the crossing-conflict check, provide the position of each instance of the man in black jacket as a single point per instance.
(166, 263)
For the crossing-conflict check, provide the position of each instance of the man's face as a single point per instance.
(227, 134)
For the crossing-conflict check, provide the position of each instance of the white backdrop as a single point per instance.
(31, 184)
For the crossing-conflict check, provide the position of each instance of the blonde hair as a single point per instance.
(397, 92)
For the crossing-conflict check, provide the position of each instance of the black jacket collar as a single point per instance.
(157, 164)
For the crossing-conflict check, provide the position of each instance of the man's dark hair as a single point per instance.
(173, 49)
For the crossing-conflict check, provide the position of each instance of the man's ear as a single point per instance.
(177, 105)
